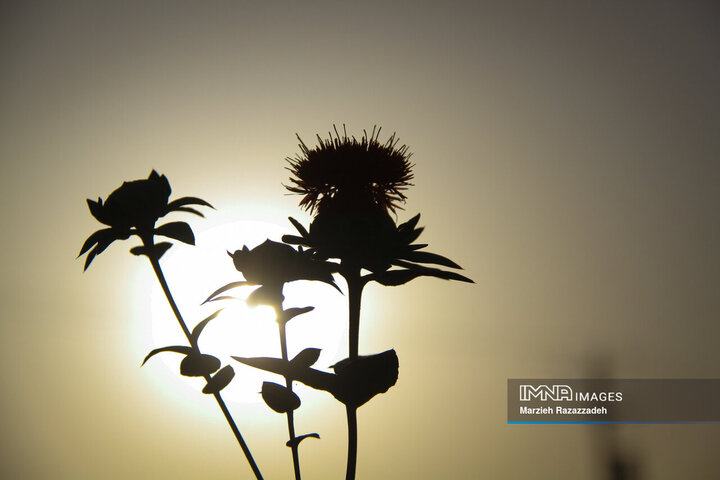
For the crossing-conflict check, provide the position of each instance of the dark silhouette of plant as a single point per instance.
(271, 265)
(133, 209)
(352, 186)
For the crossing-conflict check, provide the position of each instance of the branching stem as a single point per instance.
(290, 416)
(221, 403)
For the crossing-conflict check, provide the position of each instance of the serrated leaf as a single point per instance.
(296, 441)
(199, 365)
(306, 358)
(177, 230)
(200, 326)
(220, 380)
(427, 257)
(175, 348)
(299, 227)
(279, 398)
(227, 287)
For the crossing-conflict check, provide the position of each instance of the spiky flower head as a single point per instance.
(344, 172)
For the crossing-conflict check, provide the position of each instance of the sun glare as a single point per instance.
(241, 330)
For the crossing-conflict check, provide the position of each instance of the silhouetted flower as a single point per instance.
(133, 209)
(272, 264)
(374, 242)
(344, 172)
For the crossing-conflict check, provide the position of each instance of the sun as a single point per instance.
(241, 330)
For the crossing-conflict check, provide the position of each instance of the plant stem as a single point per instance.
(352, 442)
(355, 287)
(290, 416)
(221, 403)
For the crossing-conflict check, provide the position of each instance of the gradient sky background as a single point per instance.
(566, 155)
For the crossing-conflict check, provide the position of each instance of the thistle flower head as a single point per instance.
(343, 171)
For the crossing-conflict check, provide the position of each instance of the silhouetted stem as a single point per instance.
(352, 442)
(355, 287)
(221, 403)
(290, 416)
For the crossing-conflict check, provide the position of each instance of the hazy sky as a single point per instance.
(567, 156)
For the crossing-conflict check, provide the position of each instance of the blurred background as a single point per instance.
(567, 156)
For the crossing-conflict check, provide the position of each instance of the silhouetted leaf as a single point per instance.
(417, 246)
(222, 297)
(199, 365)
(279, 398)
(393, 278)
(410, 224)
(225, 289)
(200, 326)
(181, 202)
(155, 251)
(309, 376)
(293, 239)
(177, 230)
(413, 235)
(220, 380)
(360, 379)
(101, 240)
(287, 315)
(432, 272)
(106, 235)
(306, 358)
(269, 364)
(265, 295)
(189, 210)
(297, 440)
(427, 257)
(298, 226)
(175, 348)
(161, 248)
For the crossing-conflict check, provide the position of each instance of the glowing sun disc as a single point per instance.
(239, 330)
